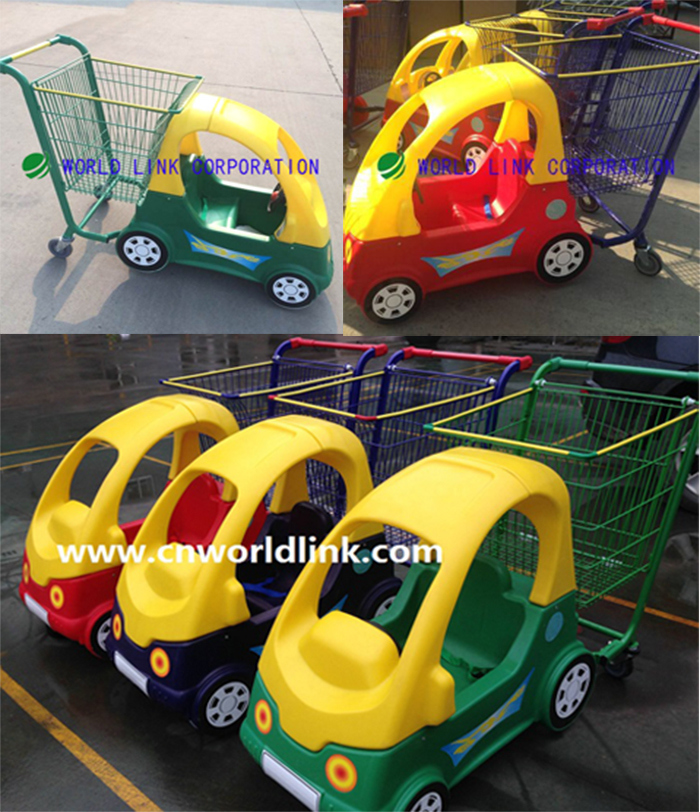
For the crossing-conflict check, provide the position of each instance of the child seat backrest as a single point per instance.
(511, 176)
(198, 513)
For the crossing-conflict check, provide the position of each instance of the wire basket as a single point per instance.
(106, 121)
(619, 453)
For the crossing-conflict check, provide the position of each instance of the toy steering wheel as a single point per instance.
(277, 198)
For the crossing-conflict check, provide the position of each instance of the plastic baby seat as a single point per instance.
(199, 513)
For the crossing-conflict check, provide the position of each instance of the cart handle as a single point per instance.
(58, 39)
(602, 23)
(379, 349)
(564, 363)
(503, 360)
(654, 19)
(355, 10)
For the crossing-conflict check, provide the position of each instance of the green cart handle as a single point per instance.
(59, 39)
(564, 363)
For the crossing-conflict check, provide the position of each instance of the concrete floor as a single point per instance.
(634, 748)
(282, 57)
(610, 291)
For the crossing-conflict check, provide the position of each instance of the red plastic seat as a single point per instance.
(198, 513)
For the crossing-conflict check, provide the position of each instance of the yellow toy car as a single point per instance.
(189, 633)
(75, 598)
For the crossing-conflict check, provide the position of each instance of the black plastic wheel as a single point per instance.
(588, 205)
(66, 251)
(393, 300)
(433, 798)
(379, 598)
(563, 258)
(621, 669)
(572, 690)
(142, 251)
(98, 192)
(648, 262)
(290, 290)
(224, 705)
(98, 633)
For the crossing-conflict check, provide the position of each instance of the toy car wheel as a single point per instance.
(290, 290)
(142, 251)
(588, 204)
(571, 692)
(431, 799)
(648, 262)
(689, 499)
(224, 705)
(392, 301)
(59, 248)
(563, 258)
(380, 598)
(99, 634)
(474, 151)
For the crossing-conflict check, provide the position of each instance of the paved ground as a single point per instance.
(280, 56)
(634, 748)
(610, 291)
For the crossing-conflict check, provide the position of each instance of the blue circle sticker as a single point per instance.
(364, 564)
(554, 626)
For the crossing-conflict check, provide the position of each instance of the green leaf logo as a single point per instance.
(392, 165)
(36, 165)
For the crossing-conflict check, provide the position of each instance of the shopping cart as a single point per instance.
(371, 51)
(245, 389)
(625, 457)
(625, 100)
(387, 408)
(100, 125)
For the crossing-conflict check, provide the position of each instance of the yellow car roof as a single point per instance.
(341, 680)
(306, 219)
(181, 601)
(380, 208)
(58, 519)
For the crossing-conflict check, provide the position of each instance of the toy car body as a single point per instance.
(189, 634)
(280, 239)
(406, 236)
(389, 715)
(75, 598)
(460, 47)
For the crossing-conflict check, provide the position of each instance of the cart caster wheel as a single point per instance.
(290, 290)
(588, 204)
(379, 600)
(98, 192)
(351, 157)
(433, 798)
(563, 258)
(59, 248)
(623, 666)
(393, 300)
(224, 705)
(99, 634)
(573, 687)
(142, 251)
(648, 262)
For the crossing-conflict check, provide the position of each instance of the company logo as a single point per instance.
(36, 165)
(458, 749)
(392, 165)
(501, 248)
(250, 261)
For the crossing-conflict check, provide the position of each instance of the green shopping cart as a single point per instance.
(624, 456)
(100, 124)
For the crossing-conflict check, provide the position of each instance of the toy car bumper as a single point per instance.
(304, 792)
(72, 628)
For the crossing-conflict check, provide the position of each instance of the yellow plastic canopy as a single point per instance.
(173, 601)
(306, 221)
(379, 208)
(340, 679)
(60, 520)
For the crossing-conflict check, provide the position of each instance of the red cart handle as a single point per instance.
(379, 349)
(355, 10)
(602, 23)
(503, 360)
(654, 19)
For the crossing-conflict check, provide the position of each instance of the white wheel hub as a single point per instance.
(393, 301)
(142, 251)
(430, 802)
(103, 633)
(291, 290)
(691, 485)
(563, 258)
(227, 704)
(572, 690)
(384, 606)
